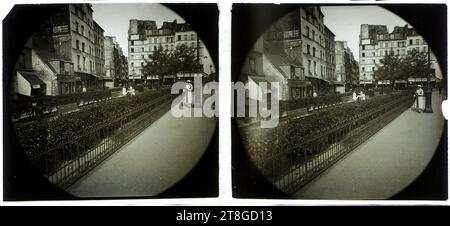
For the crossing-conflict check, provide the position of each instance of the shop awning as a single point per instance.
(134, 77)
(365, 82)
(189, 75)
(153, 77)
(400, 81)
(423, 79)
(298, 83)
(68, 79)
(384, 82)
(26, 81)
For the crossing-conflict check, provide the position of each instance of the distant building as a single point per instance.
(71, 37)
(115, 75)
(375, 42)
(346, 77)
(144, 37)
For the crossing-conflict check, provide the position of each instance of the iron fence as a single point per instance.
(70, 160)
(295, 167)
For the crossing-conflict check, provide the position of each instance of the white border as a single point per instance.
(225, 186)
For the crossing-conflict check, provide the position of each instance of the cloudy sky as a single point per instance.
(345, 21)
(114, 18)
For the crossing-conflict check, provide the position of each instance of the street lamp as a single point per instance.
(428, 92)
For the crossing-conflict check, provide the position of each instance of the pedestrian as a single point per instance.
(355, 97)
(124, 91)
(419, 99)
(190, 93)
(361, 95)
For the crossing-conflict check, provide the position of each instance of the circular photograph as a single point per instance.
(342, 102)
(114, 100)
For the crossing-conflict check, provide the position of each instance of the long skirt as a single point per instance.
(419, 103)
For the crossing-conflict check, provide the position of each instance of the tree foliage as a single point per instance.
(164, 62)
(393, 67)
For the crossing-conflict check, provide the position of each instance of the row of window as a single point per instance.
(314, 20)
(141, 64)
(323, 69)
(93, 66)
(155, 40)
(322, 55)
(393, 44)
(395, 52)
(324, 42)
(164, 47)
(92, 50)
(363, 69)
(92, 36)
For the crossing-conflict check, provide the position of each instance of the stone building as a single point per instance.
(72, 36)
(345, 67)
(375, 42)
(308, 43)
(144, 37)
(115, 75)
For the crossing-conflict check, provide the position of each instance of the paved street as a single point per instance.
(152, 162)
(384, 165)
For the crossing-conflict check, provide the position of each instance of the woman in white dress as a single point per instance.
(419, 99)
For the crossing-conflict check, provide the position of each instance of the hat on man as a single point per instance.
(419, 85)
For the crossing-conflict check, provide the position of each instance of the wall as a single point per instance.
(274, 75)
(45, 73)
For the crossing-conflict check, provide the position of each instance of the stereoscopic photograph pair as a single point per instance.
(335, 102)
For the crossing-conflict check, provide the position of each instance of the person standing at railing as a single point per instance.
(419, 99)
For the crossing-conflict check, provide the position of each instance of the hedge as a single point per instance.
(39, 136)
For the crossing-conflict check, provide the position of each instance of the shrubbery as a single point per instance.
(262, 144)
(308, 102)
(48, 103)
(39, 136)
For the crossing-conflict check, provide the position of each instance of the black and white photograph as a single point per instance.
(353, 94)
(94, 99)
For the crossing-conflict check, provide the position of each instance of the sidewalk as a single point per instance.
(152, 162)
(387, 163)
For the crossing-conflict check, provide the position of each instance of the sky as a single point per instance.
(345, 22)
(114, 18)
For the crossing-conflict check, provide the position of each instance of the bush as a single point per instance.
(263, 144)
(47, 103)
(308, 102)
(40, 136)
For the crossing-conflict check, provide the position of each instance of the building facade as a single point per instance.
(144, 37)
(345, 67)
(115, 75)
(308, 43)
(375, 42)
(71, 35)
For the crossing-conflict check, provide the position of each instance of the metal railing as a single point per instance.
(67, 162)
(295, 167)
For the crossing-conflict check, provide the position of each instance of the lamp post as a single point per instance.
(428, 92)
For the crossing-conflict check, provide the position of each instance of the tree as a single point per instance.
(393, 67)
(168, 63)
(389, 68)
(415, 64)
